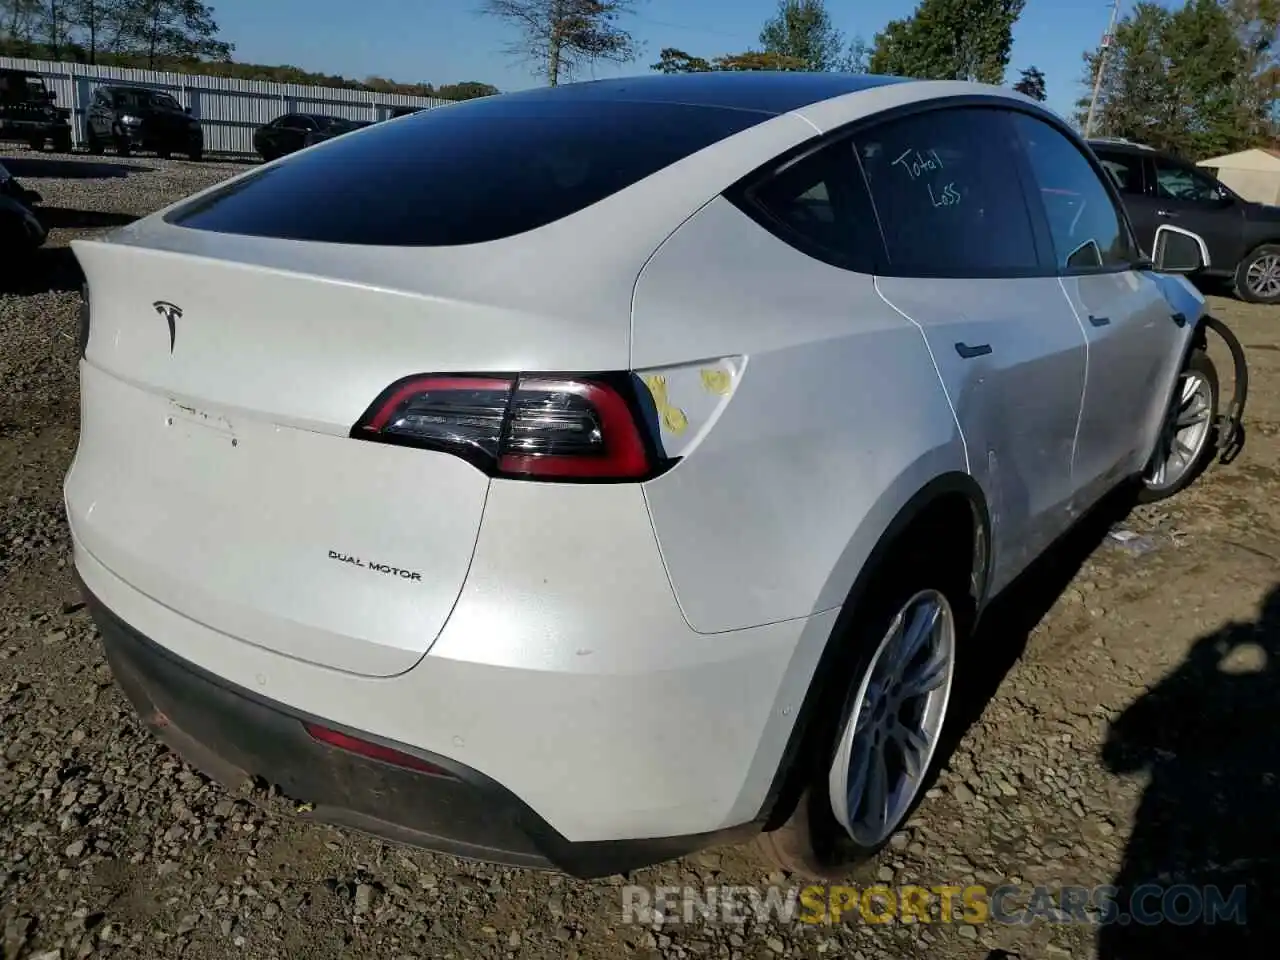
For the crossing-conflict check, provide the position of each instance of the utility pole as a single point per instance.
(1107, 40)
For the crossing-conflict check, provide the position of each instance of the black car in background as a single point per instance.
(1243, 237)
(28, 114)
(21, 231)
(139, 118)
(294, 131)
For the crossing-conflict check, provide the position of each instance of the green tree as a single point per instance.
(949, 40)
(671, 60)
(467, 90)
(758, 60)
(802, 30)
(559, 36)
(173, 29)
(1031, 84)
(1198, 80)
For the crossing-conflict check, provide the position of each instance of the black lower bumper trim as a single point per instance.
(232, 734)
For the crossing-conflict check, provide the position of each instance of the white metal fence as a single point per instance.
(229, 110)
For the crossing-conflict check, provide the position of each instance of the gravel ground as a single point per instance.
(1112, 726)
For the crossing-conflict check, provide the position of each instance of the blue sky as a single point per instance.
(445, 41)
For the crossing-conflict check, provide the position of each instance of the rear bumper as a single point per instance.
(231, 735)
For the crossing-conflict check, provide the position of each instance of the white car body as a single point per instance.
(619, 663)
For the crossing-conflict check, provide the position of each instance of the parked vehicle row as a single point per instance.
(127, 118)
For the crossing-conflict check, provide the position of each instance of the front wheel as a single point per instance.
(1186, 441)
(886, 733)
(1258, 276)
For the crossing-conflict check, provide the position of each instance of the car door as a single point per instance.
(963, 264)
(98, 122)
(1133, 336)
(1191, 199)
(295, 132)
(1131, 172)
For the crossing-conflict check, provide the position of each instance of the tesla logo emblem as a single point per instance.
(171, 312)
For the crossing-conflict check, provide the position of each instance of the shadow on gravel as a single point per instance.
(1007, 623)
(36, 167)
(67, 219)
(1201, 874)
(50, 270)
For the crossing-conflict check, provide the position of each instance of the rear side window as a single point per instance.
(1125, 170)
(819, 205)
(945, 186)
(469, 173)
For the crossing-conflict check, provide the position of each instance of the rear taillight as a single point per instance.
(524, 427)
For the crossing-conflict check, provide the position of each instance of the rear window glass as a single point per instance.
(461, 174)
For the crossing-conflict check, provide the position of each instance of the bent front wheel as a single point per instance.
(1186, 441)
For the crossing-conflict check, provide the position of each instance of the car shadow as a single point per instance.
(1006, 624)
(1201, 873)
(47, 270)
(68, 219)
(36, 167)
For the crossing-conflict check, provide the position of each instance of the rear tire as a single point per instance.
(1184, 451)
(1257, 278)
(835, 828)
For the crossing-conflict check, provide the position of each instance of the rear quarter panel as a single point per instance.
(837, 419)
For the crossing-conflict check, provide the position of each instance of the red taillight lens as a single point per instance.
(578, 428)
(374, 751)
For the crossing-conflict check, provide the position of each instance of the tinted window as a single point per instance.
(946, 189)
(466, 173)
(1176, 182)
(1087, 231)
(1125, 170)
(820, 204)
(165, 102)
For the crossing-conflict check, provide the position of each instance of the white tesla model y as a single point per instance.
(583, 476)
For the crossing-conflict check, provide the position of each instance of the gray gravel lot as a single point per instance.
(1113, 724)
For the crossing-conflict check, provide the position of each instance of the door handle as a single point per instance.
(1180, 319)
(968, 352)
(1167, 214)
(1099, 321)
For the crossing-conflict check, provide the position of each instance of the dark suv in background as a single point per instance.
(28, 114)
(1243, 237)
(139, 118)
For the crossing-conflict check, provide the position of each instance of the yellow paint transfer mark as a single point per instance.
(716, 381)
(673, 418)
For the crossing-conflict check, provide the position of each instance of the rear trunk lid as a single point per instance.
(215, 471)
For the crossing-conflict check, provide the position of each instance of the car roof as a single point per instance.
(760, 91)
(1120, 143)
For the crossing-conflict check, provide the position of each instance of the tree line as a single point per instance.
(170, 35)
(1198, 79)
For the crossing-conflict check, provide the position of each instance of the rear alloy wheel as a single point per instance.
(882, 747)
(1185, 444)
(1258, 276)
(894, 721)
